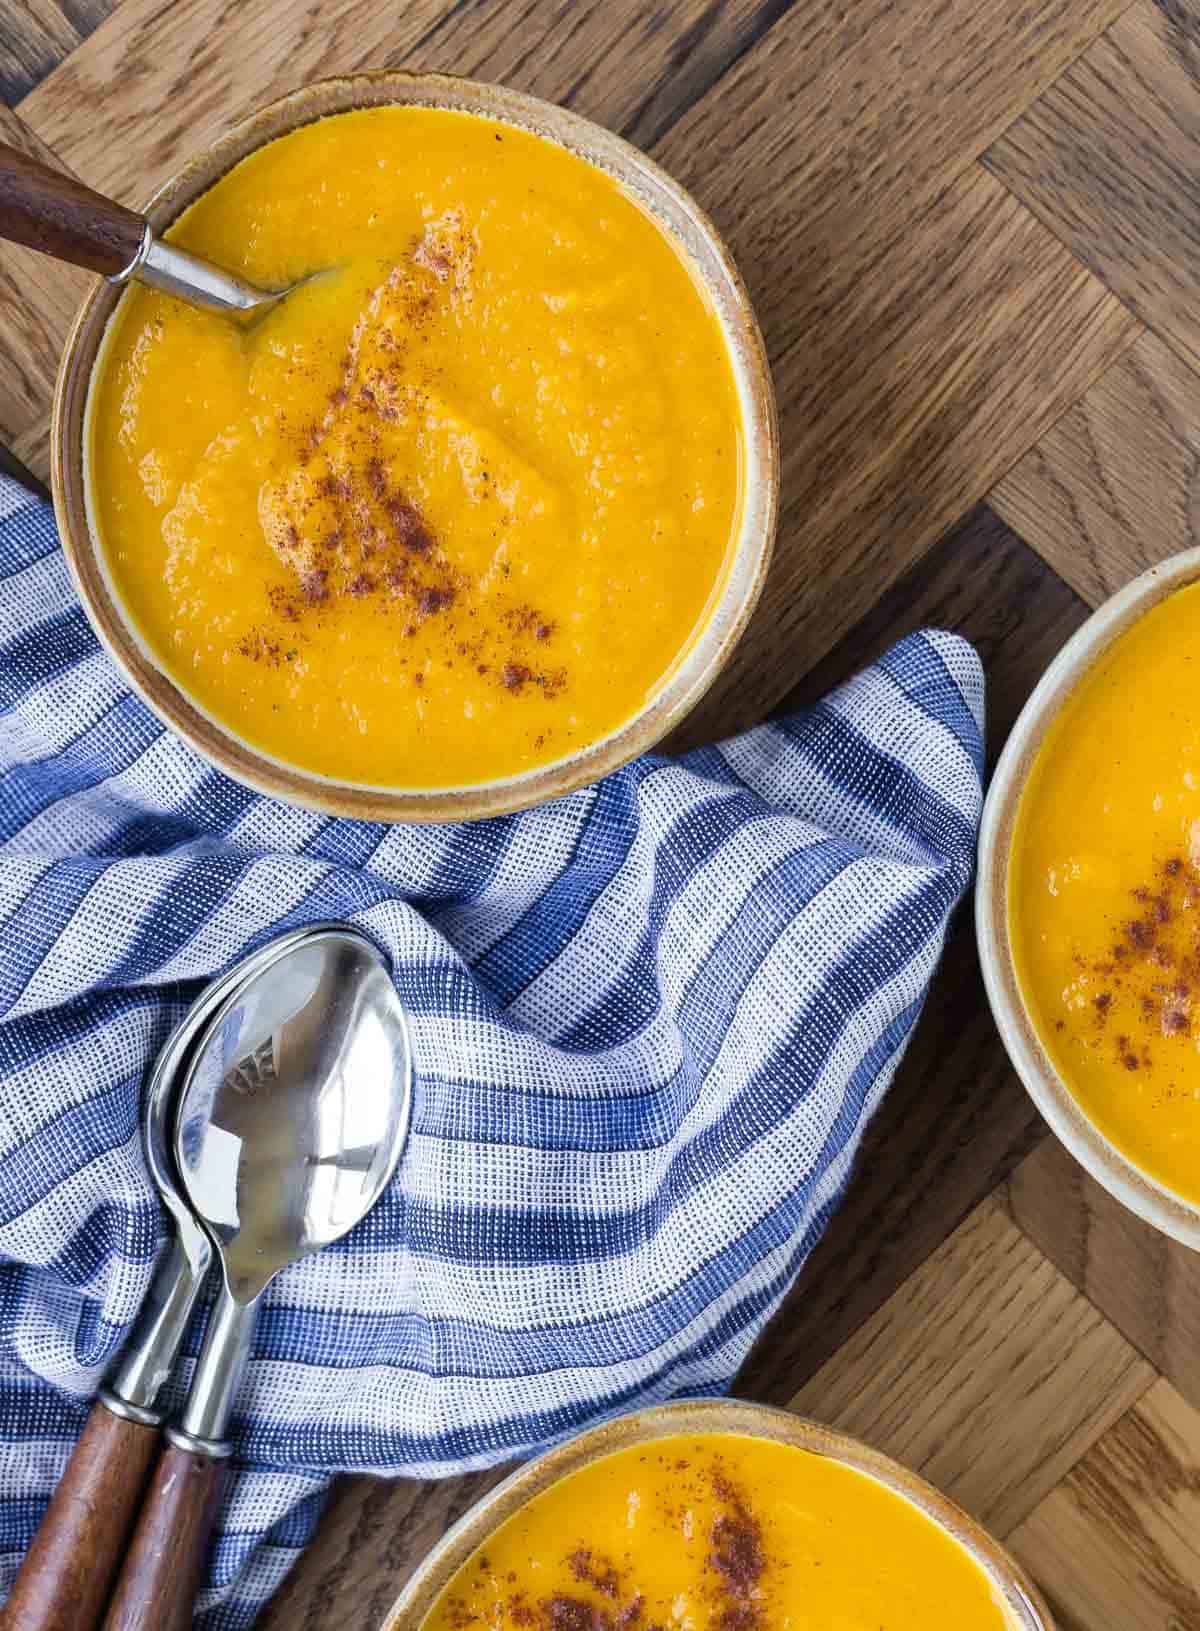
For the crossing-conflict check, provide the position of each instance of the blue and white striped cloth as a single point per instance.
(651, 1021)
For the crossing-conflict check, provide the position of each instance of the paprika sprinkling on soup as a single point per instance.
(720, 1532)
(455, 508)
(1104, 894)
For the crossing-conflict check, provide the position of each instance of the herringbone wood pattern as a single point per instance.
(972, 235)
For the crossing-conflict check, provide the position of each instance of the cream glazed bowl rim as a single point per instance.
(1021, 1600)
(701, 246)
(1096, 1153)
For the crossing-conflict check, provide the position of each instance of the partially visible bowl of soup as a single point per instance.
(473, 516)
(1088, 900)
(716, 1513)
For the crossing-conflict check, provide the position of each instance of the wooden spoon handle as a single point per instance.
(53, 212)
(64, 1582)
(161, 1577)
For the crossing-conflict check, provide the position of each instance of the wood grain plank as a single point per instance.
(32, 449)
(1146, 1285)
(980, 580)
(188, 69)
(38, 299)
(905, 86)
(987, 1371)
(844, 124)
(1114, 486)
(86, 15)
(1117, 1544)
(1108, 159)
(902, 406)
(923, 331)
(35, 36)
(11, 464)
(633, 68)
(637, 68)
(956, 1118)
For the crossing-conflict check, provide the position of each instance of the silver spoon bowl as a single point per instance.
(291, 1122)
(135, 1383)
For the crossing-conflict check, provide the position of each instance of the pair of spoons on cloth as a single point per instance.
(275, 1117)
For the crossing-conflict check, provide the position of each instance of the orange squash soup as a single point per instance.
(1104, 894)
(457, 507)
(719, 1533)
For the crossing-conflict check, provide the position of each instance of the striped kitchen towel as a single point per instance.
(651, 1021)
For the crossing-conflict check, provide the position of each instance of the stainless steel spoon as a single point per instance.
(141, 1372)
(291, 1120)
(65, 1577)
(52, 212)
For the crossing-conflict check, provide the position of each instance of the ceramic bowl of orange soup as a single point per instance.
(472, 517)
(715, 1513)
(1088, 901)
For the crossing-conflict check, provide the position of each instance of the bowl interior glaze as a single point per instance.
(1090, 1147)
(682, 221)
(1015, 1590)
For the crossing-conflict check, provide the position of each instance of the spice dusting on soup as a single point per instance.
(458, 505)
(1104, 894)
(718, 1533)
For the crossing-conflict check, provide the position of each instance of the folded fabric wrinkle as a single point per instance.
(651, 1021)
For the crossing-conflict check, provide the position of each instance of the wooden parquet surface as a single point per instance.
(972, 231)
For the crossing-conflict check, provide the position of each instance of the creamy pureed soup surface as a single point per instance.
(719, 1533)
(459, 505)
(1104, 893)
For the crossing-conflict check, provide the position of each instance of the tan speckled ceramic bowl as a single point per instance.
(1090, 1147)
(1025, 1607)
(693, 234)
